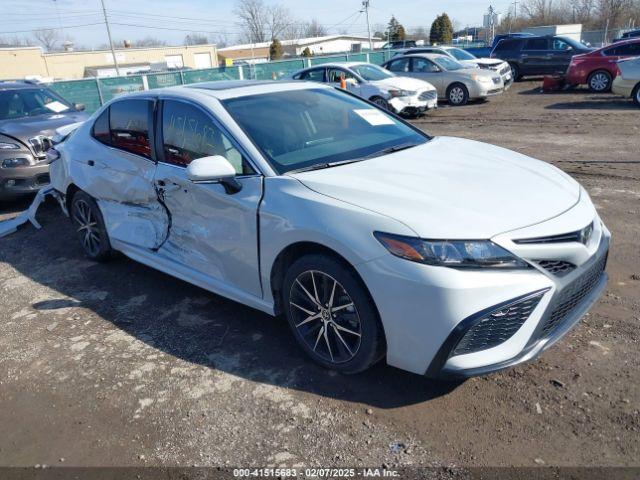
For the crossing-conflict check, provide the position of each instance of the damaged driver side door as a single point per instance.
(213, 228)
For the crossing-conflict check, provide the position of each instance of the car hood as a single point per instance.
(452, 188)
(490, 62)
(403, 83)
(27, 127)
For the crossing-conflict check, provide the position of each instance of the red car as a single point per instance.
(597, 69)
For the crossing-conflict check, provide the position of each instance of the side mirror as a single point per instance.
(79, 107)
(214, 169)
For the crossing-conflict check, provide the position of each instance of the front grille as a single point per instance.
(428, 95)
(43, 179)
(581, 236)
(40, 145)
(572, 296)
(558, 268)
(497, 326)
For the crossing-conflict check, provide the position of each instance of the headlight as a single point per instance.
(9, 146)
(481, 79)
(14, 162)
(401, 93)
(450, 253)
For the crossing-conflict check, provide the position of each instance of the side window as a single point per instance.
(316, 75)
(189, 133)
(624, 50)
(101, 128)
(507, 44)
(422, 65)
(334, 75)
(559, 45)
(129, 126)
(400, 65)
(536, 44)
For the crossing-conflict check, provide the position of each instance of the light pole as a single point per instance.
(113, 52)
(365, 4)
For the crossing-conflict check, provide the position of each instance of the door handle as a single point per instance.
(91, 163)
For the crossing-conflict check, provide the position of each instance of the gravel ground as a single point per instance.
(118, 364)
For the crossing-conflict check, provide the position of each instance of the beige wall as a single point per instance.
(16, 63)
(244, 53)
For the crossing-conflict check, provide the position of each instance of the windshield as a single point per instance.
(371, 73)
(448, 63)
(461, 54)
(30, 102)
(305, 128)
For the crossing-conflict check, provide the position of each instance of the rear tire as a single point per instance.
(457, 94)
(599, 81)
(636, 95)
(90, 228)
(331, 314)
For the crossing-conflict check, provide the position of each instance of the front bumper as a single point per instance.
(413, 105)
(426, 310)
(15, 182)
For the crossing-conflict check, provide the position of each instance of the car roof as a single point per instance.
(430, 56)
(226, 89)
(13, 85)
(336, 64)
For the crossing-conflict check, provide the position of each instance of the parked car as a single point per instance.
(300, 199)
(628, 35)
(454, 82)
(402, 95)
(468, 60)
(29, 116)
(399, 44)
(538, 55)
(597, 69)
(627, 82)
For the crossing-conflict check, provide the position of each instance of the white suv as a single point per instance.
(402, 95)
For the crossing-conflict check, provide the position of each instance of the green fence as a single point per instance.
(96, 91)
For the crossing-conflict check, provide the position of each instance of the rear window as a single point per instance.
(129, 125)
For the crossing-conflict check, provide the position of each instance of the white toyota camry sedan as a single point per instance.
(448, 257)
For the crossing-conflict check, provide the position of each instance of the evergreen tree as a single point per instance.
(306, 52)
(441, 30)
(275, 50)
(396, 30)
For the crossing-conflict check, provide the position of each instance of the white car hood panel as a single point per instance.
(452, 188)
(403, 83)
(488, 61)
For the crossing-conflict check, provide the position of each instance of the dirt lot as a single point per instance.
(117, 364)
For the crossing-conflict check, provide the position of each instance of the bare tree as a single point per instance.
(314, 29)
(260, 22)
(613, 11)
(49, 38)
(15, 41)
(148, 42)
(195, 39)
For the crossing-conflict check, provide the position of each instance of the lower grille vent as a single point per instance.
(498, 326)
(558, 268)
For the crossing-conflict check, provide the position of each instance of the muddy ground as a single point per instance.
(118, 364)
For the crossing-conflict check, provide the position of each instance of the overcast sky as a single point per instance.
(171, 20)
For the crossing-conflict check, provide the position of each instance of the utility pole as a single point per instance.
(113, 52)
(365, 4)
(515, 9)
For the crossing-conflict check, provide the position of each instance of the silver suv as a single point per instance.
(29, 116)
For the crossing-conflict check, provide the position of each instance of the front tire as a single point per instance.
(331, 314)
(90, 228)
(636, 95)
(515, 72)
(599, 82)
(381, 102)
(457, 94)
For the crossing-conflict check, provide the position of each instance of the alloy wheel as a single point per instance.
(87, 227)
(325, 316)
(599, 82)
(381, 102)
(456, 95)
